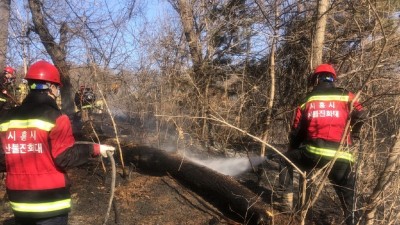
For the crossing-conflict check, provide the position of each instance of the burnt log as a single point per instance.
(237, 199)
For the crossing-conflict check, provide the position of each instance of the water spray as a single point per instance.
(230, 166)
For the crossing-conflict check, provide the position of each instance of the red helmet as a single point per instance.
(325, 68)
(43, 71)
(9, 70)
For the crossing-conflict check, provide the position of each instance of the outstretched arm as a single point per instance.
(358, 116)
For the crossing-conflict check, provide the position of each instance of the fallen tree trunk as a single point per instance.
(238, 199)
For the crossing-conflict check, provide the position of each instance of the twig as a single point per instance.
(98, 141)
(115, 130)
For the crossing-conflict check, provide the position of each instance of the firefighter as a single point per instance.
(85, 101)
(37, 148)
(317, 130)
(7, 79)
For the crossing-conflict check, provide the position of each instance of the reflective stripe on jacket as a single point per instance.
(87, 106)
(30, 123)
(41, 207)
(330, 152)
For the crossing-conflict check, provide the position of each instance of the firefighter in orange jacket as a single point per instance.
(37, 148)
(317, 130)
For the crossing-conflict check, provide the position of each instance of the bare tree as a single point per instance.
(350, 37)
(191, 33)
(56, 51)
(200, 78)
(82, 36)
(385, 178)
(319, 34)
(4, 18)
(245, 66)
(272, 54)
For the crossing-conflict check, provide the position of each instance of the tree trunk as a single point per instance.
(319, 35)
(270, 105)
(201, 80)
(192, 38)
(238, 199)
(56, 51)
(4, 18)
(391, 168)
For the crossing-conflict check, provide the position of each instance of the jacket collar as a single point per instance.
(324, 85)
(39, 98)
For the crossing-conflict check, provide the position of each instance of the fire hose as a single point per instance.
(113, 179)
(356, 167)
(10, 97)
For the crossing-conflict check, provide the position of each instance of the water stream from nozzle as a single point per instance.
(230, 166)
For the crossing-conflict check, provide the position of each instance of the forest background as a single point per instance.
(224, 75)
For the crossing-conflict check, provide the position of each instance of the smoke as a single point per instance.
(230, 166)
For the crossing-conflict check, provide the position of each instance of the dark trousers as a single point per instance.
(341, 177)
(57, 220)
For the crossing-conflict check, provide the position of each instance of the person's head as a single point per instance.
(322, 73)
(9, 75)
(44, 77)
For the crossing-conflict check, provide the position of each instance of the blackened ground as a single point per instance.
(151, 199)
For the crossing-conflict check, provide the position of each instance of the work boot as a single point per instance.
(284, 203)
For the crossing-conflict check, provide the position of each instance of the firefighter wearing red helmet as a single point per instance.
(43, 71)
(318, 126)
(7, 79)
(319, 71)
(37, 148)
(9, 70)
